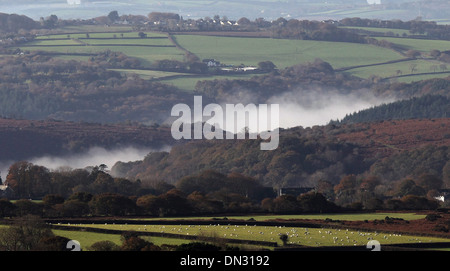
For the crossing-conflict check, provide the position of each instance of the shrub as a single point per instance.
(104, 246)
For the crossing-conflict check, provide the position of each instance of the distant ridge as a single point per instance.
(425, 107)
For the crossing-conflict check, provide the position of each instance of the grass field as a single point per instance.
(188, 83)
(306, 236)
(282, 52)
(128, 43)
(125, 42)
(346, 217)
(395, 31)
(421, 45)
(102, 35)
(149, 74)
(297, 235)
(417, 78)
(146, 55)
(388, 70)
(87, 239)
(237, 51)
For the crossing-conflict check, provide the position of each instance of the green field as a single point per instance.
(405, 68)
(305, 236)
(146, 55)
(282, 52)
(313, 237)
(421, 45)
(129, 44)
(125, 42)
(188, 83)
(102, 35)
(150, 74)
(417, 78)
(394, 31)
(247, 51)
(346, 217)
(297, 235)
(87, 239)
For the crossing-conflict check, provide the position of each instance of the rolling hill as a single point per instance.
(22, 139)
(304, 156)
(428, 107)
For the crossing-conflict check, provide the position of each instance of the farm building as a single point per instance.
(444, 195)
(211, 62)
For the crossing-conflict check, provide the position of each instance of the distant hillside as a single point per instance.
(14, 23)
(304, 156)
(269, 9)
(428, 107)
(22, 139)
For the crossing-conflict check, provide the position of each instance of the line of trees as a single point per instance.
(428, 29)
(78, 193)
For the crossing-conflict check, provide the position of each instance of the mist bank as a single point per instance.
(310, 107)
(94, 156)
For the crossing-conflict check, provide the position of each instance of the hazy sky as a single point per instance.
(233, 9)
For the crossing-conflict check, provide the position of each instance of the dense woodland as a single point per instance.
(427, 106)
(80, 193)
(35, 86)
(305, 157)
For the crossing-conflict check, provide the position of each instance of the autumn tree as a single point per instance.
(429, 182)
(409, 187)
(149, 204)
(112, 204)
(132, 242)
(202, 204)
(286, 204)
(346, 190)
(315, 203)
(113, 16)
(25, 234)
(28, 180)
(413, 202)
(162, 16)
(174, 203)
(266, 66)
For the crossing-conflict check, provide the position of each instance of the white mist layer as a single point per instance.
(95, 156)
(310, 109)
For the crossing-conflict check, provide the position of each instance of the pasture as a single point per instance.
(226, 229)
(283, 52)
(156, 46)
(413, 67)
(346, 217)
(101, 35)
(392, 31)
(421, 45)
(313, 237)
(373, 60)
